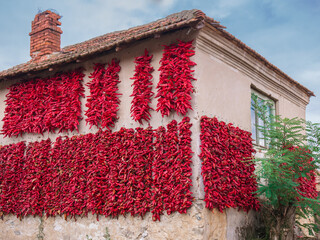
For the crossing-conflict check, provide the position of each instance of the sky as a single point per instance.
(285, 32)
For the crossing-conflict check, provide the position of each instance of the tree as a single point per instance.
(286, 173)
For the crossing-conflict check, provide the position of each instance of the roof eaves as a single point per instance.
(260, 58)
(115, 39)
(73, 52)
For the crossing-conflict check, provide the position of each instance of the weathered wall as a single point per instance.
(198, 223)
(222, 89)
(227, 74)
(194, 225)
(225, 77)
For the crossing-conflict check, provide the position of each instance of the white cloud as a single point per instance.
(81, 20)
(165, 3)
(223, 8)
(93, 18)
(310, 75)
(313, 116)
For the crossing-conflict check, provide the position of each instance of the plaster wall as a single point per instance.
(226, 74)
(192, 225)
(225, 77)
(198, 223)
(222, 90)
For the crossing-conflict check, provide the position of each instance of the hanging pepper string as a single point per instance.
(142, 88)
(130, 171)
(103, 101)
(226, 169)
(175, 87)
(44, 104)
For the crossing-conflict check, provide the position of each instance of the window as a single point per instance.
(266, 108)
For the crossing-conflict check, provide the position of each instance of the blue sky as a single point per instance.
(285, 32)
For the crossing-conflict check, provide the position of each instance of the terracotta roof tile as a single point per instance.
(107, 41)
(113, 40)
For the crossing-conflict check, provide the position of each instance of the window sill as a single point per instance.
(259, 148)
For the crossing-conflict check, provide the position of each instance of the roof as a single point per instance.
(187, 18)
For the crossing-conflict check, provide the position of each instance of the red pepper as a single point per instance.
(227, 177)
(11, 173)
(103, 101)
(142, 88)
(172, 169)
(307, 185)
(131, 171)
(175, 87)
(44, 104)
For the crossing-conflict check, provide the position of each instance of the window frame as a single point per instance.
(257, 135)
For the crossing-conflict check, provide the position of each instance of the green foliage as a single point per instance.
(313, 130)
(291, 143)
(107, 235)
(88, 238)
(40, 235)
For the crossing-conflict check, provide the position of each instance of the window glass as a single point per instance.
(253, 122)
(256, 121)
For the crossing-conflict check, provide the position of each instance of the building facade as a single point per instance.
(225, 73)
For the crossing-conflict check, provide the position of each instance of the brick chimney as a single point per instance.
(45, 34)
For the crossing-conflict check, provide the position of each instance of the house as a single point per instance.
(151, 89)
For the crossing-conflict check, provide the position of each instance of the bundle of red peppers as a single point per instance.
(172, 169)
(11, 174)
(175, 87)
(103, 101)
(107, 173)
(307, 185)
(142, 88)
(226, 168)
(28, 110)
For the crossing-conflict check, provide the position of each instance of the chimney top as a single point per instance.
(45, 35)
